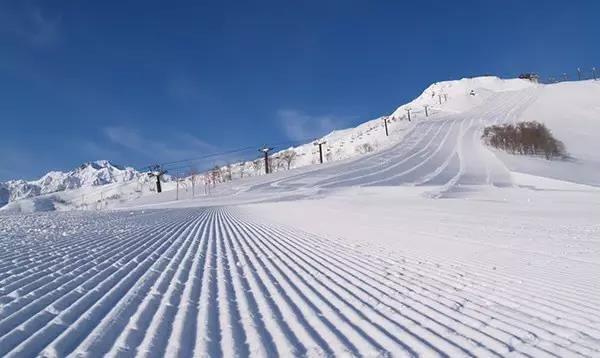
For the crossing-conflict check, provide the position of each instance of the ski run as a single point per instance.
(432, 245)
(223, 282)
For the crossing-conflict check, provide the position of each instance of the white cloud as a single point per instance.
(301, 126)
(169, 146)
(126, 137)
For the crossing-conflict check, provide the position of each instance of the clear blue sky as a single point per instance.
(142, 81)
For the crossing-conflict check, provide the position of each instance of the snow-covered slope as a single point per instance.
(442, 150)
(441, 98)
(461, 95)
(571, 110)
(371, 274)
(349, 258)
(442, 153)
(338, 145)
(445, 147)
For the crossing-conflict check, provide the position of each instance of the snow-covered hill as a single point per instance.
(446, 122)
(439, 99)
(570, 110)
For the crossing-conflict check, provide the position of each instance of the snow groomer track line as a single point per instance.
(223, 282)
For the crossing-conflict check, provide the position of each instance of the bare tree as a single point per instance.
(288, 157)
(228, 174)
(215, 175)
(257, 165)
(525, 138)
(364, 148)
(275, 163)
(329, 155)
(193, 174)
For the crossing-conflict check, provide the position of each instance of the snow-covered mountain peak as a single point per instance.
(99, 164)
(95, 173)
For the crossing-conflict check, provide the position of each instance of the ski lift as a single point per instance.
(157, 171)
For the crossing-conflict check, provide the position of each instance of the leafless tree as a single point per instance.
(193, 175)
(275, 163)
(215, 175)
(364, 148)
(288, 157)
(228, 172)
(525, 138)
(257, 165)
(328, 155)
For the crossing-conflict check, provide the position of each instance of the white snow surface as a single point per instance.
(432, 245)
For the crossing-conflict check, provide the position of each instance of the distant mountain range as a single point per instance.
(90, 174)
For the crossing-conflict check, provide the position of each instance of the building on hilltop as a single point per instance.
(530, 76)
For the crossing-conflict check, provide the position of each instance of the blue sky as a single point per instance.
(138, 82)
